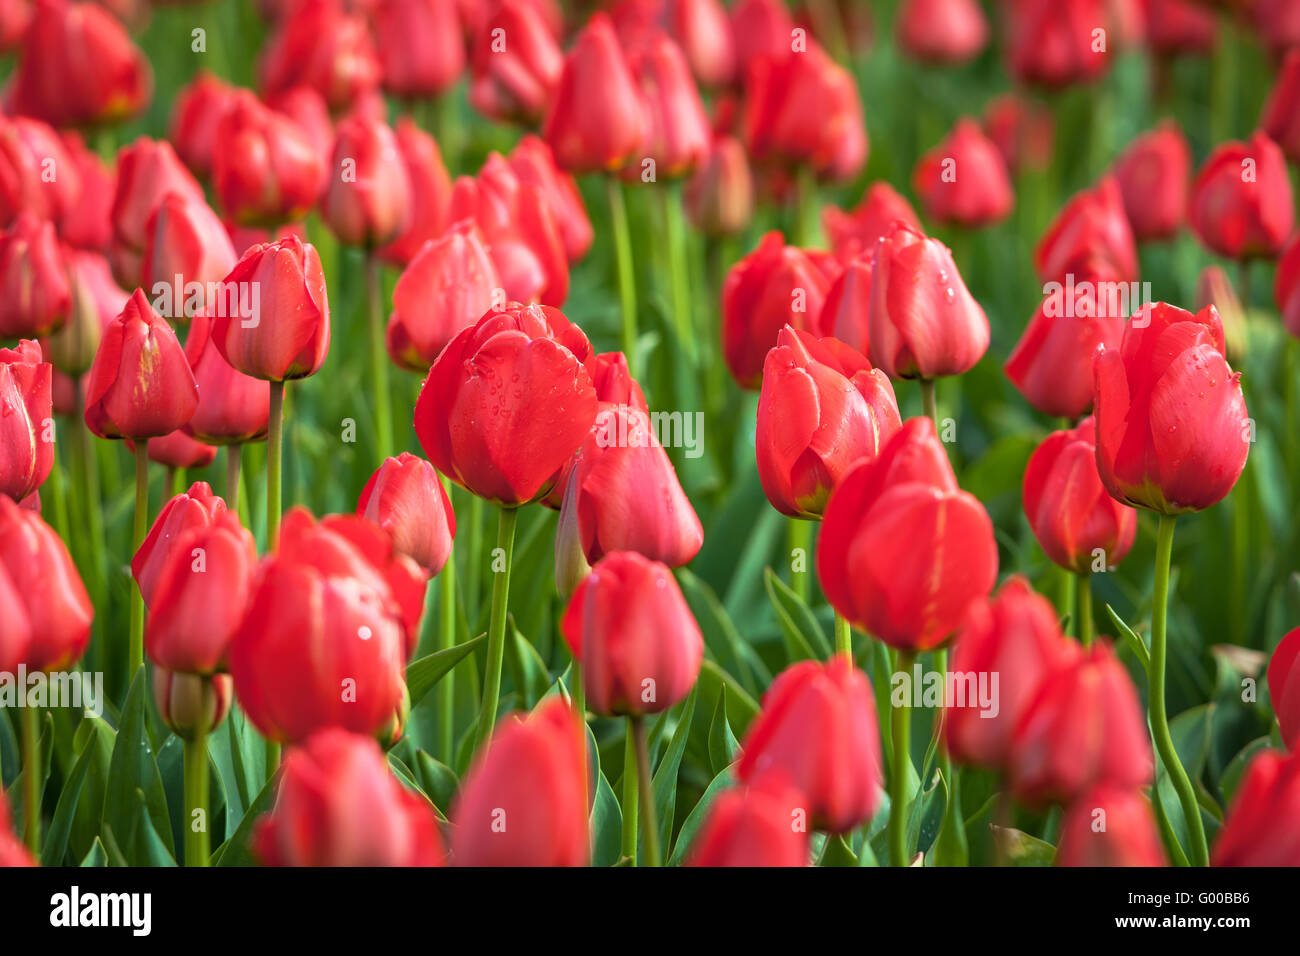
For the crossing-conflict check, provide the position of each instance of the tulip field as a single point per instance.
(649, 433)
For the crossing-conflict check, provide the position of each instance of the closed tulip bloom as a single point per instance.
(141, 385)
(419, 46)
(923, 322)
(1153, 175)
(1109, 826)
(855, 233)
(96, 301)
(15, 15)
(185, 243)
(13, 852)
(903, 552)
(1279, 120)
(1241, 205)
(78, 67)
(87, 222)
(196, 507)
(822, 409)
(1172, 427)
(29, 151)
(773, 287)
(1091, 233)
(1051, 43)
(507, 403)
(942, 31)
(534, 164)
(35, 299)
(964, 179)
(763, 824)
(1051, 365)
(309, 111)
(430, 193)
(818, 726)
(1083, 728)
(532, 777)
(267, 171)
(703, 30)
(406, 499)
(46, 584)
(514, 80)
(1022, 130)
(846, 314)
(368, 194)
(678, 136)
(720, 195)
(178, 450)
(324, 46)
(199, 598)
(1261, 827)
(339, 805)
(16, 631)
(597, 120)
(1015, 638)
(147, 171)
(289, 336)
(760, 27)
(630, 627)
(27, 425)
(233, 407)
(1284, 687)
(196, 115)
(192, 704)
(1286, 287)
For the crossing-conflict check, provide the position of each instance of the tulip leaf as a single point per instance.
(96, 855)
(664, 782)
(721, 638)
(1021, 849)
(437, 780)
(699, 813)
(527, 669)
(837, 852)
(798, 624)
(18, 793)
(96, 736)
(740, 706)
(950, 846)
(133, 767)
(606, 825)
(423, 674)
(1230, 779)
(1131, 639)
(237, 851)
(56, 839)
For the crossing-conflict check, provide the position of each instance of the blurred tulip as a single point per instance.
(1056, 43)
(761, 27)
(964, 179)
(38, 174)
(1280, 119)
(35, 299)
(323, 46)
(88, 223)
(534, 164)
(1278, 24)
(96, 301)
(1172, 426)
(406, 499)
(1153, 175)
(703, 30)
(678, 135)
(1261, 826)
(195, 118)
(187, 251)
(757, 825)
(853, 234)
(15, 16)
(1241, 205)
(1284, 687)
(942, 31)
(193, 509)
(430, 193)
(525, 801)
(147, 171)
(367, 199)
(233, 408)
(419, 46)
(340, 805)
(1109, 826)
(720, 196)
(178, 450)
(191, 704)
(515, 64)
(1286, 287)
(27, 425)
(13, 852)
(1179, 26)
(1090, 234)
(1022, 130)
(903, 552)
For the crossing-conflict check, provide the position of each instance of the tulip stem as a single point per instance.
(800, 553)
(623, 263)
(497, 628)
(169, 483)
(378, 358)
(88, 478)
(901, 729)
(447, 689)
(929, 402)
(31, 729)
(649, 825)
(1243, 285)
(1199, 855)
(1084, 601)
(678, 268)
(234, 459)
(843, 636)
(196, 795)
(630, 785)
(274, 452)
(806, 212)
(136, 651)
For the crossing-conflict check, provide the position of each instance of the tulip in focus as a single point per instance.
(233, 408)
(1241, 205)
(193, 509)
(1109, 826)
(406, 499)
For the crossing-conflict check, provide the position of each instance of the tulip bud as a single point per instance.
(326, 47)
(720, 196)
(1241, 205)
(340, 805)
(430, 193)
(1261, 828)
(197, 507)
(818, 727)
(1090, 234)
(678, 135)
(419, 46)
(516, 63)
(1153, 176)
(1052, 43)
(15, 631)
(233, 408)
(147, 171)
(368, 196)
(196, 114)
(45, 584)
(406, 499)
(923, 322)
(534, 164)
(854, 234)
(703, 31)
(96, 301)
(1279, 120)
(27, 423)
(507, 403)
(87, 222)
(942, 31)
(1014, 638)
(186, 244)
(178, 450)
(13, 852)
(1084, 727)
(964, 179)
(1109, 826)
(903, 552)
(30, 151)
(761, 27)
(191, 705)
(34, 296)
(758, 825)
(1284, 687)
(1172, 425)
(1022, 130)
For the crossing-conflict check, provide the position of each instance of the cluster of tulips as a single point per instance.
(163, 292)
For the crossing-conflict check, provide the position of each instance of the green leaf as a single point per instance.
(1230, 779)
(837, 852)
(664, 782)
(437, 780)
(236, 851)
(722, 743)
(798, 624)
(741, 707)
(96, 855)
(950, 847)
(133, 768)
(606, 825)
(96, 736)
(699, 813)
(527, 669)
(423, 674)
(56, 839)
(1020, 849)
(721, 638)
(1131, 639)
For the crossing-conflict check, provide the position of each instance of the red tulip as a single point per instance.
(78, 67)
(1286, 287)
(1109, 826)
(368, 195)
(141, 385)
(507, 403)
(1284, 687)
(678, 136)
(1179, 26)
(192, 704)
(287, 336)
(1022, 130)
(534, 164)
(822, 409)
(758, 825)
(1172, 431)
(266, 170)
(15, 633)
(1083, 728)
(13, 852)
(37, 173)
(15, 16)
(818, 726)
(1070, 512)
(193, 509)
(86, 222)
(233, 408)
(942, 31)
(311, 114)
(1013, 641)
(703, 30)
(199, 597)
(178, 450)
(322, 45)
(1056, 43)
(903, 552)
(196, 116)
(964, 179)
(406, 499)
(1241, 206)
(96, 301)
(525, 799)
(1090, 234)
(34, 296)
(773, 287)
(44, 583)
(27, 425)
(185, 244)
(1153, 174)
(430, 193)
(340, 805)
(1279, 119)
(761, 27)
(1260, 828)
(1278, 25)
(147, 171)
(720, 195)
(419, 46)
(853, 234)
(515, 65)
(923, 322)
(802, 109)
(1051, 365)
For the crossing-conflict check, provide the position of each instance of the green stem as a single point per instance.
(274, 454)
(678, 268)
(929, 402)
(447, 639)
(234, 459)
(136, 653)
(800, 548)
(497, 628)
(1086, 629)
(378, 358)
(1065, 600)
(1199, 853)
(623, 263)
(31, 728)
(630, 784)
(169, 483)
(843, 636)
(649, 825)
(1243, 285)
(196, 798)
(809, 230)
(901, 730)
